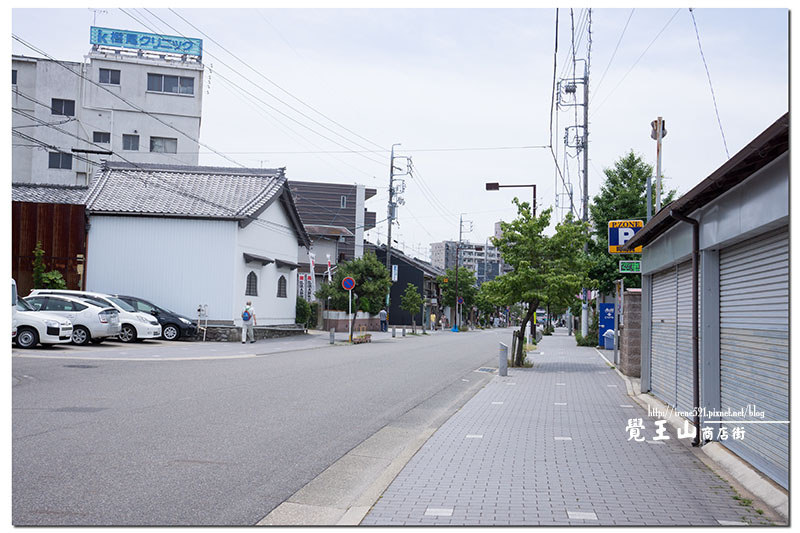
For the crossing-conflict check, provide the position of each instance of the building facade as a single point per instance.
(483, 259)
(741, 216)
(139, 106)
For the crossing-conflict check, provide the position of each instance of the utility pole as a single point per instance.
(585, 305)
(458, 260)
(394, 200)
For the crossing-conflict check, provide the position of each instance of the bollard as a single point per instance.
(393, 332)
(404, 331)
(333, 335)
(513, 345)
(503, 362)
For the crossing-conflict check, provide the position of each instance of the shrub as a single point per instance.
(302, 312)
(313, 320)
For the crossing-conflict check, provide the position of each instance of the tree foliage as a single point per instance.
(411, 301)
(622, 197)
(467, 286)
(372, 285)
(545, 268)
(302, 312)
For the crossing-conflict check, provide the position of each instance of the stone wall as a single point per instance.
(630, 356)
(234, 333)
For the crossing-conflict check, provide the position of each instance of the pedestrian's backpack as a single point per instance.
(245, 315)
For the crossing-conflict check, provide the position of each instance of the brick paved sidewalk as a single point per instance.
(548, 446)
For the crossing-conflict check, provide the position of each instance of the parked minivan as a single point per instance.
(134, 325)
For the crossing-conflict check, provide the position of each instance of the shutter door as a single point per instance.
(662, 337)
(754, 348)
(685, 368)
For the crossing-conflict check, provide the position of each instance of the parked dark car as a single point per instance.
(173, 325)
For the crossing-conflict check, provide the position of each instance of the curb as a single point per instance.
(717, 457)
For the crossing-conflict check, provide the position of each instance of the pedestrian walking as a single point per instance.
(248, 323)
(384, 322)
(433, 322)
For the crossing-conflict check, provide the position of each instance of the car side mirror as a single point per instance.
(154, 312)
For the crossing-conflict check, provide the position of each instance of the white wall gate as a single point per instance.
(754, 348)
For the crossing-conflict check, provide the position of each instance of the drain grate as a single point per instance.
(487, 369)
(80, 366)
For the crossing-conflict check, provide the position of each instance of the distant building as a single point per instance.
(443, 254)
(482, 259)
(143, 106)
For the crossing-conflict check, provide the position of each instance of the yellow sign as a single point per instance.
(620, 232)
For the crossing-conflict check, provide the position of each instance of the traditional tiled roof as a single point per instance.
(328, 231)
(48, 194)
(190, 191)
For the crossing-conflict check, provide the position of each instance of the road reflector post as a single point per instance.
(514, 344)
(393, 332)
(404, 331)
(503, 361)
(333, 335)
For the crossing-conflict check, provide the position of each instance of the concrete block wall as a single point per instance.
(630, 358)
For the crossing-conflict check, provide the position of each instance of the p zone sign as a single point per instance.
(620, 232)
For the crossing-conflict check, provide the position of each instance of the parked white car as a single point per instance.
(34, 327)
(89, 321)
(134, 325)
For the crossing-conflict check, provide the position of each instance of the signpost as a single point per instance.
(620, 232)
(630, 267)
(349, 284)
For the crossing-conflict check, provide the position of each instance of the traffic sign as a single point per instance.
(348, 283)
(620, 232)
(630, 267)
(460, 300)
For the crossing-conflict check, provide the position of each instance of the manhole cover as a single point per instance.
(487, 370)
(80, 366)
(78, 409)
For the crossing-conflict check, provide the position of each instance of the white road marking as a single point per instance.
(497, 403)
(580, 515)
(433, 511)
(559, 403)
(610, 385)
(563, 438)
(562, 384)
(474, 436)
(626, 405)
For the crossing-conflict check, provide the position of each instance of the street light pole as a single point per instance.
(496, 187)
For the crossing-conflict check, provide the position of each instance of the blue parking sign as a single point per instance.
(620, 232)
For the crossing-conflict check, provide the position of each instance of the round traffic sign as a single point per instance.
(460, 300)
(348, 283)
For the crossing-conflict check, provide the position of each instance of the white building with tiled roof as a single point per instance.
(183, 236)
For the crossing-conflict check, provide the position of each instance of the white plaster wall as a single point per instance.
(175, 263)
(272, 236)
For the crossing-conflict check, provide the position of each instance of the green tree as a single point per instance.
(467, 287)
(411, 301)
(45, 280)
(302, 311)
(372, 284)
(484, 304)
(543, 266)
(622, 197)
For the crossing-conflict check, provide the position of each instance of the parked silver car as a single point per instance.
(89, 320)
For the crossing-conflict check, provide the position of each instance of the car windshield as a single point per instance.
(22, 305)
(125, 306)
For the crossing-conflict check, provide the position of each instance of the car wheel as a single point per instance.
(97, 341)
(171, 332)
(128, 333)
(26, 338)
(80, 336)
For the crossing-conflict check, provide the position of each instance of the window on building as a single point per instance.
(60, 160)
(343, 202)
(162, 83)
(13, 76)
(252, 285)
(101, 137)
(282, 287)
(59, 106)
(109, 76)
(164, 145)
(130, 142)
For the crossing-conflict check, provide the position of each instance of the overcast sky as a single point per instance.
(462, 78)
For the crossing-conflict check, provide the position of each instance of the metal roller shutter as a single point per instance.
(754, 348)
(684, 379)
(662, 338)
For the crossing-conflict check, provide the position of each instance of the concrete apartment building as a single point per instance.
(142, 104)
(483, 259)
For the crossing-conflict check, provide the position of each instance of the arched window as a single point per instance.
(252, 285)
(282, 287)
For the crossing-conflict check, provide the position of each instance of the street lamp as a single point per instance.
(659, 132)
(497, 187)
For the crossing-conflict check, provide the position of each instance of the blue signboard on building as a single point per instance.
(606, 320)
(137, 40)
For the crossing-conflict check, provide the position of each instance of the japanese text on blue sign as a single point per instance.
(146, 41)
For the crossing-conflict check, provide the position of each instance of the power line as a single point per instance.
(638, 59)
(708, 74)
(278, 87)
(613, 55)
(134, 106)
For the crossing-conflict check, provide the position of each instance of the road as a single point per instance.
(129, 440)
